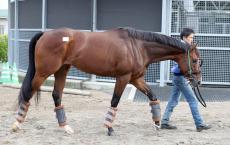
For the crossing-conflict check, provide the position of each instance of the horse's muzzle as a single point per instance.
(194, 82)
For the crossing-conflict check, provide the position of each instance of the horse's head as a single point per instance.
(190, 65)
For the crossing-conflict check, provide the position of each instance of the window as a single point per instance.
(1, 29)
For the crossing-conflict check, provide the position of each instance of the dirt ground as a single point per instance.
(133, 125)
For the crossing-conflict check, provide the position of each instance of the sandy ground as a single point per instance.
(133, 125)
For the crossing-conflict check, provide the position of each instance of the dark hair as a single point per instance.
(155, 37)
(186, 32)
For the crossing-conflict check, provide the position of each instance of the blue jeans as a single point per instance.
(180, 85)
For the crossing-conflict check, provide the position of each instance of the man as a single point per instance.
(181, 85)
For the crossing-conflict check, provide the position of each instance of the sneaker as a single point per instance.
(203, 127)
(168, 126)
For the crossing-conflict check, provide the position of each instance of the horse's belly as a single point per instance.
(102, 68)
(95, 69)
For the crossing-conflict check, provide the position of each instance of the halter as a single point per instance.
(189, 65)
(190, 71)
(197, 93)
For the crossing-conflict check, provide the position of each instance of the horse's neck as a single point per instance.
(158, 52)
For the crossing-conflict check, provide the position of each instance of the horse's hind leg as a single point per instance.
(24, 105)
(60, 78)
(154, 102)
(121, 82)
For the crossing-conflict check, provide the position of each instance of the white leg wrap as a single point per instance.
(22, 111)
(110, 117)
(67, 129)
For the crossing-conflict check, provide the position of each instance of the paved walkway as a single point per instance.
(209, 94)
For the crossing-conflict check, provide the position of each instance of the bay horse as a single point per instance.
(123, 53)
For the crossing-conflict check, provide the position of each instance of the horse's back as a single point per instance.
(104, 53)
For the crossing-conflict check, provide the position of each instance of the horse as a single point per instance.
(123, 53)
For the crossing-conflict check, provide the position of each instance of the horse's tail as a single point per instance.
(26, 88)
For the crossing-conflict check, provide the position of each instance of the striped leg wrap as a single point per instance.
(22, 111)
(60, 115)
(110, 116)
(155, 110)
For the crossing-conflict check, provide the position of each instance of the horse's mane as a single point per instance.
(156, 37)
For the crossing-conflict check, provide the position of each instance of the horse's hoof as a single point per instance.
(15, 126)
(156, 127)
(110, 131)
(68, 129)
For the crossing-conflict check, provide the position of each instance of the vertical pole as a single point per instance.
(169, 29)
(9, 53)
(94, 27)
(163, 30)
(16, 47)
(44, 12)
(94, 16)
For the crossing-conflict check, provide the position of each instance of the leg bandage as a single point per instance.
(60, 115)
(110, 116)
(155, 110)
(22, 111)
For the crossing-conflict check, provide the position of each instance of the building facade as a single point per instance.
(3, 22)
(210, 20)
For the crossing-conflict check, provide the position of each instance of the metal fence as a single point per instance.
(209, 19)
(211, 22)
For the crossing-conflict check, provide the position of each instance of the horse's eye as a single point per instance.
(194, 61)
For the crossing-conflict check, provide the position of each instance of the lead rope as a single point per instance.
(199, 97)
(189, 63)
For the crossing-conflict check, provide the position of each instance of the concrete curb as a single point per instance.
(50, 89)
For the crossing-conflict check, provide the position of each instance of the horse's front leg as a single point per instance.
(60, 77)
(120, 85)
(153, 101)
